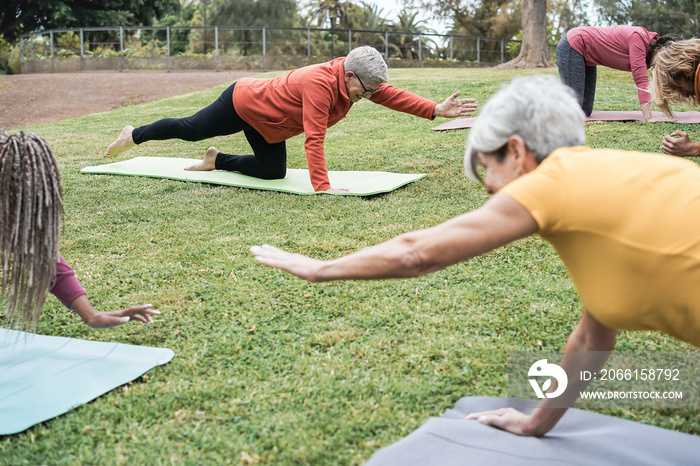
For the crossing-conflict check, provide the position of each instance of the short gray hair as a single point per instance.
(539, 109)
(368, 64)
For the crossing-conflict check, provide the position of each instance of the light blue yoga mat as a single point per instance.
(42, 377)
(360, 183)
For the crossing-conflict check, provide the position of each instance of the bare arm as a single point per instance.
(587, 348)
(500, 221)
(95, 319)
(679, 144)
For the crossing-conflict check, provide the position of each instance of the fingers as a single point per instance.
(508, 419)
(262, 250)
(141, 313)
(268, 255)
(144, 309)
(678, 133)
(492, 420)
(480, 414)
(139, 318)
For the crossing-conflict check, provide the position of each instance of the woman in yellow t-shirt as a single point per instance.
(625, 225)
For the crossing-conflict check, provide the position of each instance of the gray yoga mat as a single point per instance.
(42, 377)
(360, 183)
(580, 438)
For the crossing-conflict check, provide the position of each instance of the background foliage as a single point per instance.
(665, 17)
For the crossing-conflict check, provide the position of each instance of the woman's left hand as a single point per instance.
(96, 319)
(508, 419)
(453, 107)
(142, 313)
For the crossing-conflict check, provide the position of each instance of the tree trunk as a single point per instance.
(534, 51)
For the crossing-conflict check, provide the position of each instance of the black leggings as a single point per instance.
(268, 161)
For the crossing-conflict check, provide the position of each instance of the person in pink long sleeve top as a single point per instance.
(624, 48)
(308, 100)
(31, 210)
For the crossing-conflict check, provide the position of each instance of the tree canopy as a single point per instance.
(253, 13)
(661, 16)
(21, 16)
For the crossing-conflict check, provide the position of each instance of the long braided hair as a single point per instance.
(31, 212)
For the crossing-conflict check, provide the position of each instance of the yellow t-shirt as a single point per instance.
(627, 226)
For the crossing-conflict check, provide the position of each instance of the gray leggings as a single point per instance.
(575, 74)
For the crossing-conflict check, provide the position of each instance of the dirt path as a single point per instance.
(29, 99)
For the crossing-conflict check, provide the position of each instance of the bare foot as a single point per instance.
(123, 143)
(208, 163)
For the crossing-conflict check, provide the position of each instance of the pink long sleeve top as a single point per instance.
(66, 287)
(623, 48)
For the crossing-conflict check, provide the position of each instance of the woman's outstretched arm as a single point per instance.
(500, 221)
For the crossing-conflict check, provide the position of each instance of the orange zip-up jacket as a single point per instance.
(309, 100)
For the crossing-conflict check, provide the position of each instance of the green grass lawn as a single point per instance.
(271, 369)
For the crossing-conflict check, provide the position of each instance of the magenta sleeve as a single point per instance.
(66, 287)
(638, 52)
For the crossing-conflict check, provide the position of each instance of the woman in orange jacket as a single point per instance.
(269, 111)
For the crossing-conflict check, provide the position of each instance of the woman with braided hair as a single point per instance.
(31, 211)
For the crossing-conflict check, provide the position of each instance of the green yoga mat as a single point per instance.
(42, 377)
(360, 183)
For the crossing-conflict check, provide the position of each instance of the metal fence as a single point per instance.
(251, 48)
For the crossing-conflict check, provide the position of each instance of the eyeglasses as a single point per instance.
(367, 91)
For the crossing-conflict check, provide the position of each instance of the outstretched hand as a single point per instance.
(95, 319)
(508, 419)
(297, 264)
(142, 313)
(679, 144)
(453, 107)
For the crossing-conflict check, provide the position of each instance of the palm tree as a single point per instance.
(410, 45)
(328, 12)
(372, 19)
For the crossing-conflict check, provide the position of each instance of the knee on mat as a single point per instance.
(274, 174)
